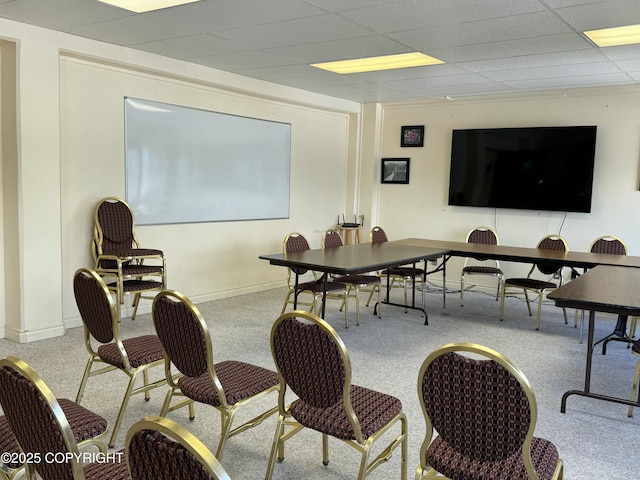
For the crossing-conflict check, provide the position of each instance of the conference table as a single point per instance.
(609, 289)
(570, 259)
(358, 259)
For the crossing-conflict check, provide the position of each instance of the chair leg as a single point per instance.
(123, 407)
(85, 377)
(502, 303)
(226, 418)
(277, 448)
(325, 449)
(634, 389)
(526, 296)
(462, 290)
(539, 311)
(136, 302)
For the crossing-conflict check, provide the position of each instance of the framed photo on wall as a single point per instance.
(412, 136)
(395, 170)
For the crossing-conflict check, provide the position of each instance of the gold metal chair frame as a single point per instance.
(353, 287)
(315, 304)
(227, 412)
(126, 273)
(24, 369)
(468, 268)
(378, 235)
(425, 471)
(539, 292)
(362, 445)
(184, 437)
(94, 359)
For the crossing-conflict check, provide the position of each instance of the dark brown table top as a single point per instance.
(525, 254)
(354, 259)
(602, 289)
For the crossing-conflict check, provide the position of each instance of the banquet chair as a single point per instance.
(88, 430)
(228, 386)
(610, 245)
(42, 429)
(159, 448)
(536, 285)
(487, 430)
(355, 283)
(398, 277)
(313, 362)
(127, 268)
(296, 242)
(479, 266)
(132, 356)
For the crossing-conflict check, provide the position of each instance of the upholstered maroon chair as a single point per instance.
(398, 277)
(42, 429)
(296, 242)
(484, 412)
(227, 386)
(313, 362)
(127, 268)
(107, 350)
(158, 448)
(538, 286)
(474, 266)
(355, 283)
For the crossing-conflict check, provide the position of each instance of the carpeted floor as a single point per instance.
(596, 439)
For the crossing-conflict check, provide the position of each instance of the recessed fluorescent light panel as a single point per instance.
(372, 64)
(610, 37)
(141, 6)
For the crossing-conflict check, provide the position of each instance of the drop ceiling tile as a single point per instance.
(537, 60)
(241, 60)
(343, 49)
(629, 65)
(411, 15)
(622, 52)
(513, 48)
(293, 32)
(555, 71)
(612, 13)
(130, 30)
(199, 45)
(216, 15)
(483, 31)
(571, 82)
(60, 14)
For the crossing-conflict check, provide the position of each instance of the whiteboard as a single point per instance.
(186, 165)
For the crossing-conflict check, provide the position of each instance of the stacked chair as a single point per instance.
(127, 268)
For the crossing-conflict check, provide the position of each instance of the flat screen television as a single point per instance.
(540, 168)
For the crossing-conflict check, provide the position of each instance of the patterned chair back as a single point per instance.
(551, 242)
(477, 406)
(608, 244)
(483, 236)
(296, 242)
(311, 359)
(96, 305)
(157, 447)
(378, 235)
(115, 225)
(183, 333)
(332, 239)
(37, 421)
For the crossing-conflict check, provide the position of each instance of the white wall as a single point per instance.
(420, 209)
(70, 115)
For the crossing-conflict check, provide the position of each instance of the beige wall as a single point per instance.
(70, 153)
(420, 208)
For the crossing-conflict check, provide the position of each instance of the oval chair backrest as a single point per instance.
(378, 235)
(483, 236)
(608, 244)
(95, 304)
(182, 332)
(157, 447)
(37, 420)
(310, 359)
(115, 221)
(478, 407)
(551, 242)
(295, 242)
(332, 239)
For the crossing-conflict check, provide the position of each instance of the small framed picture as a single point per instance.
(412, 136)
(395, 170)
